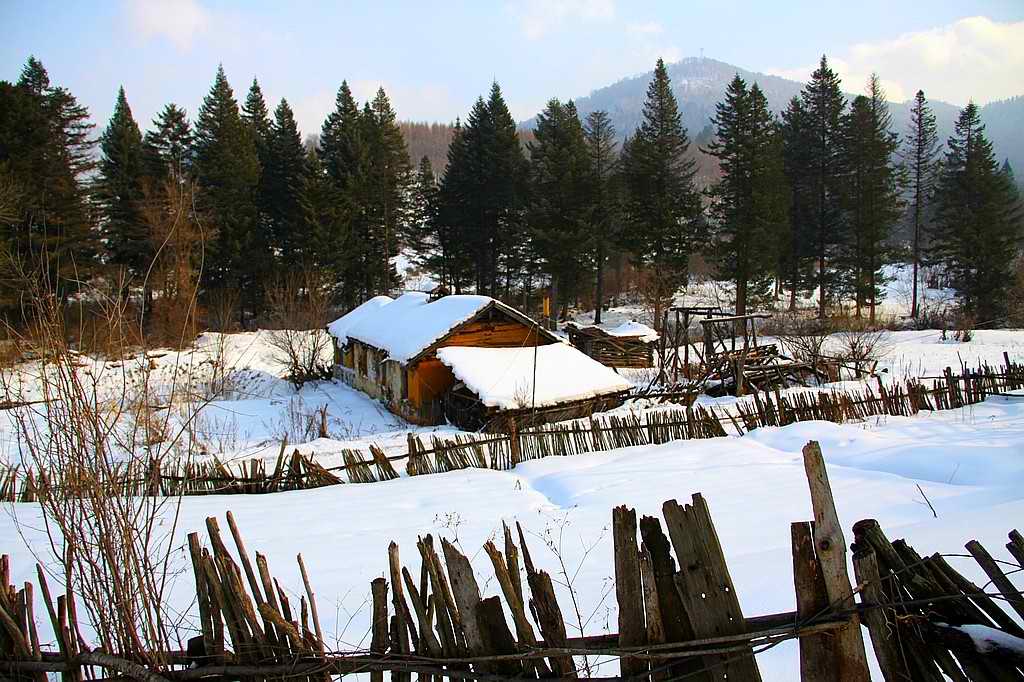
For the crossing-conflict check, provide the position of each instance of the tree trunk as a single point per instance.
(599, 293)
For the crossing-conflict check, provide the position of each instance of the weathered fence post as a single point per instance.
(830, 547)
(628, 589)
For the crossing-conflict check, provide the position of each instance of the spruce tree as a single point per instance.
(167, 147)
(824, 104)
(978, 221)
(228, 170)
(604, 197)
(749, 206)
(389, 178)
(663, 204)
(920, 157)
(119, 191)
(420, 236)
(796, 252)
(324, 221)
(455, 209)
(283, 179)
(558, 217)
(871, 196)
(46, 146)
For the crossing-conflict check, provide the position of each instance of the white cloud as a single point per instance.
(179, 21)
(646, 28)
(538, 17)
(972, 58)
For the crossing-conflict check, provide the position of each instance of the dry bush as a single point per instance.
(861, 346)
(800, 336)
(298, 307)
(299, 424)
(176, 233)
(223, 310)
(656, 290)
(96, 439)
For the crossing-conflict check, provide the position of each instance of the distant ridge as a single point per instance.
(699, 84)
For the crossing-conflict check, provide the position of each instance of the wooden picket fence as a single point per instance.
(503, 451)
(679, 614)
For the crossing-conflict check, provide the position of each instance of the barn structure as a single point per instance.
(630, 344)
(468, 360)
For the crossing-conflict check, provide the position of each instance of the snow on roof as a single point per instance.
(408, 324)
(628, 329)
(633, 328)
(341, 326)
(503, 377)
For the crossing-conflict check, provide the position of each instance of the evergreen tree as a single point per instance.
(559, 170)
(978, 220)
(824, 105)
(920, 157)
(454, 213)
(228, 170)
(484, 193)
(284, 176)
(324, 220)
(749, 206)
(167, 148)
(46, 148)
(872, 193)
(420, 234)
(604, 201)
(796, 252)
(119, 191)
(663, 205)
(388, 181)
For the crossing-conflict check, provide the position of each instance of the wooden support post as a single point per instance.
(628, 589)
(881, 621)
(818, 660)
(830, 547)
(379, 625)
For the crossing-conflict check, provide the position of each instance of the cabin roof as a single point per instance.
(627, 330)
(503, 377)
(411, 324)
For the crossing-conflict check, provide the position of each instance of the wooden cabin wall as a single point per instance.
(503, 333)
(428, 381)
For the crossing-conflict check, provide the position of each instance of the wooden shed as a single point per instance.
(388, 348)
(629, 344)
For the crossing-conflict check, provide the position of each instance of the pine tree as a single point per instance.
(558, 216)
(455, 208)
(872, 193)
(419, 236)
(283, 178)
(167, 148)
(796, 251)
(119, 191)
(228, 170)
(920, 157)
(824, 104)
(46, 145)
(978, 220)
(388, 181)
(604, 201)
(664, 207)
(749, 206)
(324, 221)
(484, 192)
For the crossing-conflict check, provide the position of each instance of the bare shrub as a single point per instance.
(861, 346)
(656, 290)
(800, 336)
(299, 424)
(964, 329)
(298, 305)
(98, 442)
(222, 310)
(171, 284)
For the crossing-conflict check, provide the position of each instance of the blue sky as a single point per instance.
(434, 59)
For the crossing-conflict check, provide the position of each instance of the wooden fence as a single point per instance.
(503, 451)
(679, 615)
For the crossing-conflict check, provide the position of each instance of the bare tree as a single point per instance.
(298, 305)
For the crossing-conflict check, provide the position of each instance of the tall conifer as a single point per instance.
(920, 157)
(978, 221)
(664, 207)
(119, 190)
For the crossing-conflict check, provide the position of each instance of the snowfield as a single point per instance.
(968, 462)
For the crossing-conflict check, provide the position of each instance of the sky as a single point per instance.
(435, 58)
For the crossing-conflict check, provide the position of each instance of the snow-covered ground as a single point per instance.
(966, 461)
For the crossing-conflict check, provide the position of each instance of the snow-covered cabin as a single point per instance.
(465, 359)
